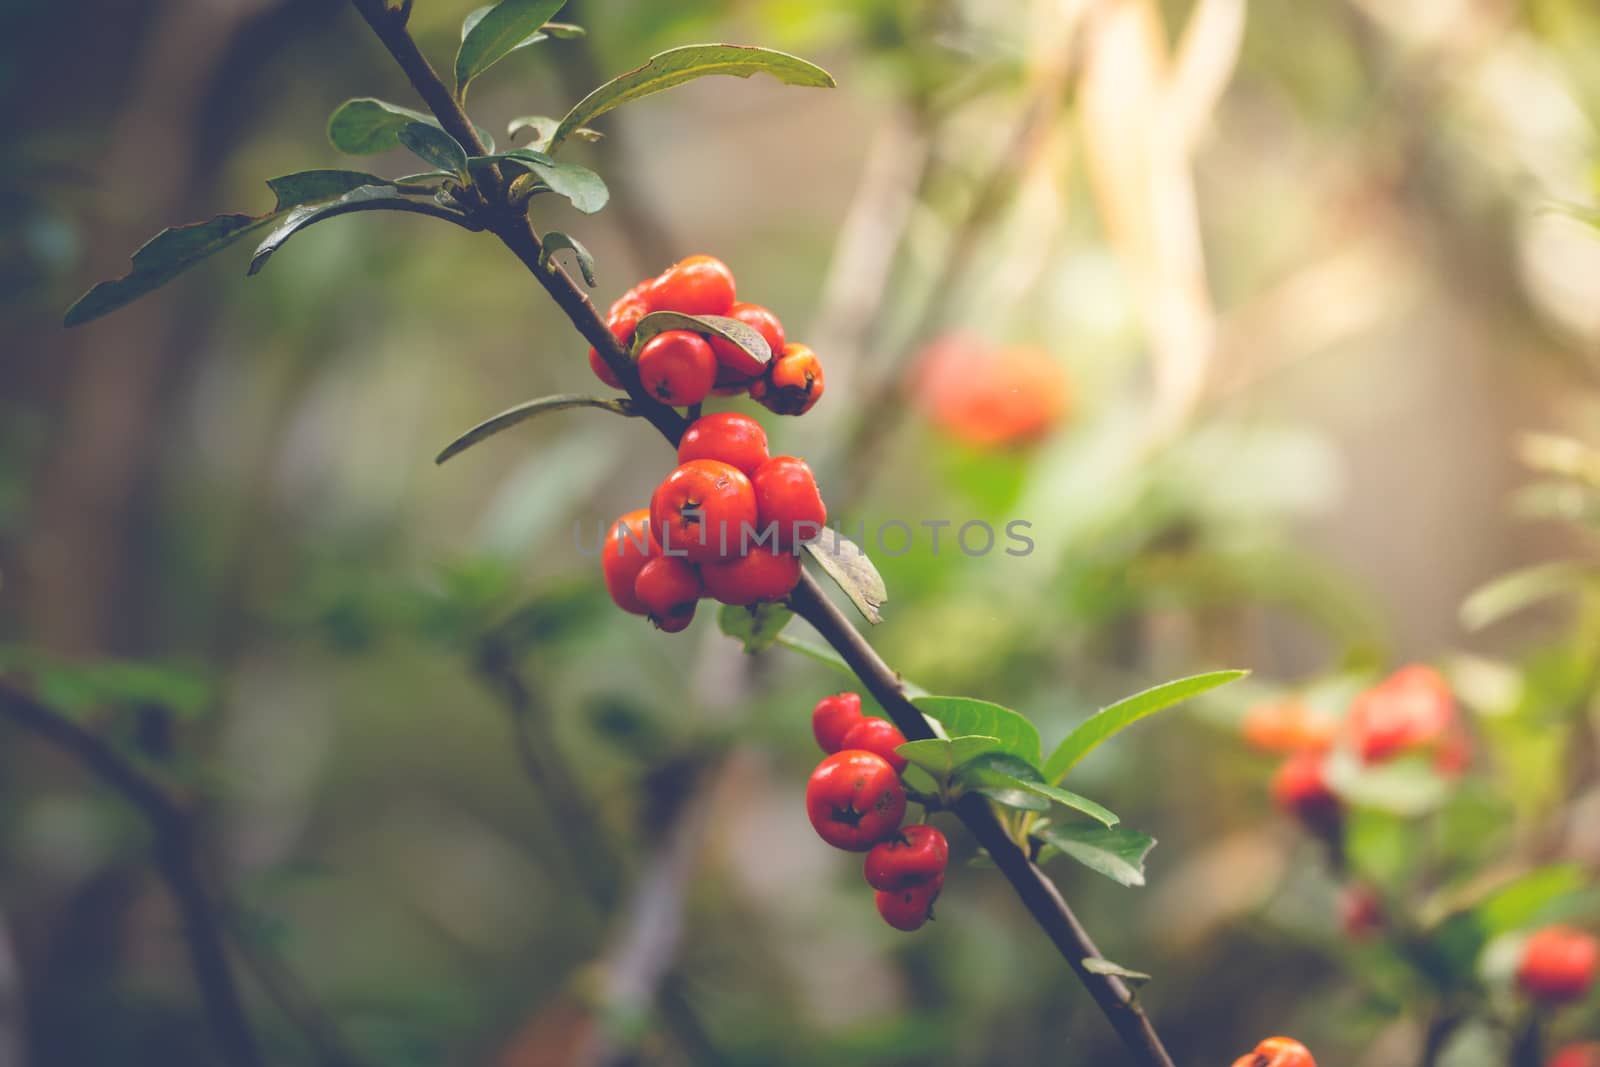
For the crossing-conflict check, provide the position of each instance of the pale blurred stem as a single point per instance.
(173, 828)
(1037, 893)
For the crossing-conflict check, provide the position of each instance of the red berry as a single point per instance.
(917, 855)
(1301, 789)
(668, 588)
(792, 384)
(627, 547)
(702, 510)
(1586, 1054)
(855, 800)
(1287, 726)
(991, 397)
(833, 717)
(1277, 1052)
(623, 320)
(1558, 964)
(907, 909)
(699, 285)
(735, 439)
(880, 736)
(734, 360)
(786, 495)
(760, 574)
(677, 368)
(1412, 708)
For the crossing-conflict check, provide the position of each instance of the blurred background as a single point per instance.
(1273, 295)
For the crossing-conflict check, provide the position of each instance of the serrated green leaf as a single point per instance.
(1124, 713)
(365, 198)
(525, 411)
(1117, 853)
(490, 34)
(679, 65)
(1511, 593)
(965, 716)
(941, 756)
(852, 571)
(556, 241)
(731, 330)
(757, 627)
(435, 147)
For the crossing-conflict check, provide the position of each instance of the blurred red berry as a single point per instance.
(991, 397)
(1277, 1052)
(1287, 726)
(1360, 912)
(1586, 1054)
(1301, 789)
(1412, 708)
(1558, 964)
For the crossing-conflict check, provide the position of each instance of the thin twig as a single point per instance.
(1037, 892)
(175, 855)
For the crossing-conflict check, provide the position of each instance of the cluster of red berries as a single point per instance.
(1277, 1052)
(1558, 965)
(1411, 711)
(727, 523)
(681, 367)
(856, 802)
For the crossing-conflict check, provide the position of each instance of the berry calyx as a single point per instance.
(1301, 789)
(833, 717)
(627, 547)
(787, 497)
(1558, 964)
(907, 909)
(880, 736)
(854, 800)
(701, 511)
(917, 855)
(677, 368)
(734, 439)
(760, 574)
(699, 285)
(792, 384)
(1277, 1052)
(735, 361)
(668, 587)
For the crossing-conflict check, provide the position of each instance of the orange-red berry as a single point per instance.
(916, 855)
(880, 736)
(677, 368)
(1277, 1052)
(1287, 726)
(732, 438)
(1301, 789)
(668, 587)
(735, 361)
(854, 800)
(1586, 1054)
(792, 384)
(1558, 964)
(623, 320)
(699, 285)
(907, 909)
(833, 717)
(702, 510)
(787, 499)
(1412, 708)
(760, 574)
(627, 547)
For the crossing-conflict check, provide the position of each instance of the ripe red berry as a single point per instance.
(1301, 789)
(1412, 708)
(917, 855)
(627, 547)
(739, 364)
(855, 800)
(792, 384)
(1287, 726)
(668, 588)
(1277, 1052)
(907, 909)
(787, 495)
(699, 285)
(677, 368)
(833, 717)
(880, 736)
(732, 438)
(702, 510)
(1586, 1054)
(761, 573)
(1558, 964)
(623, 320)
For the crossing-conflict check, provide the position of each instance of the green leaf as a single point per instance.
(366, 125)
(1002, 788)
(564, 31)
(1409, 786)
(543, 126)
(435, 147)
(821, 653)
(1511, 593)
(556, 241)
(679, 65)
(940, 756)
(731, 330)
(586, 189)
(365, 198)
(1117, 853)
(489, 35)
(757, 626)
(312, 186)
(965, 716)
(1530, 898)
(847, 564)
(1124, 713)
(522, 412)
(1000, 776)
(1099, 965)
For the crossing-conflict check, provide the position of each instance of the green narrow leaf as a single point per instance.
(434, 147)
(311, 186)
(366, 125)
(1001, 788)
(1124, 713)
(1511, 593)
(679, 65)
(731, 330)
(756, 626)
(963, 715)
(564, 31)
(525, 411)
(821, 653)
(940, 756)
(1100, 965)
(161, 259)
(1001, 776)
(365, 198)
(847, 564)
(556, 241)
(1118, 853)
(490, 34)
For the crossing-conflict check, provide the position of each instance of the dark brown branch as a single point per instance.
(1037, 892)
(175, 853)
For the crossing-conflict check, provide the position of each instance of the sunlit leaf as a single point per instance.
(1511, 593)
(940, 756)
(1117, 853)
(965, 716)
(757, 627)
(490, 34)
(1124, 713)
